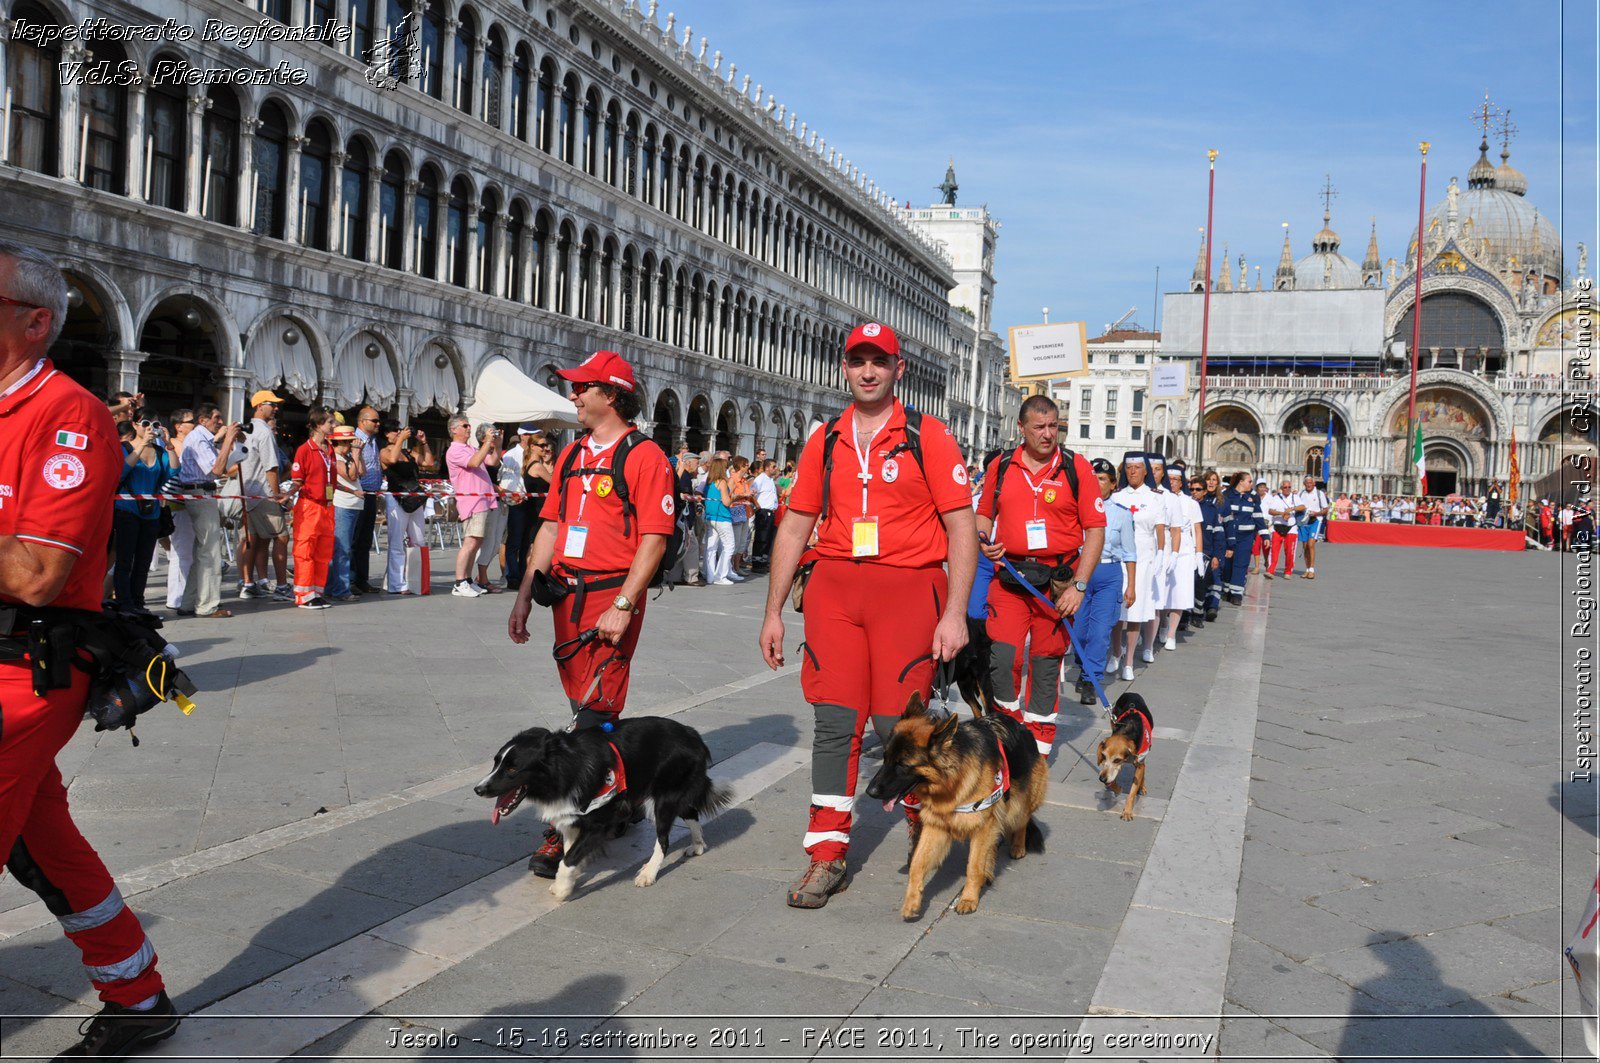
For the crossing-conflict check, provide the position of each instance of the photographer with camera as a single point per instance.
(266, 526)
(405, 459)
(475, 497)
(208, 455)
(137, 521)
(60, 460)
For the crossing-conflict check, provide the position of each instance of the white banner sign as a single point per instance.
(1169, 380)
(1043, 352)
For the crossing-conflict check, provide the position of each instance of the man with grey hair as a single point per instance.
(469, 479)
(60, 463)
(494, 532)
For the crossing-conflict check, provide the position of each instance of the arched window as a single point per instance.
(644, 324)
(681, 209)
(608, 258)
(400, 59)
(219, 165)
(271, 171)
(494, 67)
(322, 13)
(591, 133)
(363, 20)
(541, 278)
(33, 84)
(167, 142)
(665, 178)
(391, 198)
(648, 192)
(569, 120)
(564, 268)
(434, 60)
(547, 107)
(461, 74)
(613, 122)
(521, 75)
(353, 205)
(456, 232)
(587, 296)
(514, 259)
(629, 319)
(488, 207)
(630, 157)
(314, 176)
(278, 9)
(105, 109)
(699, 192)
(425, 217)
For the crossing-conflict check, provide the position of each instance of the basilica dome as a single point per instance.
(1495, 222)
(1325, 267)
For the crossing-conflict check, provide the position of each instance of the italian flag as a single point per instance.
(1416, 459)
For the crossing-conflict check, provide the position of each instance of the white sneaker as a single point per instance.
(1111, 667)
(1148, 655)
(1171, 644)
(244, 591)
(723, 582)
(465, 589)
(1127, 673)
(734, 577)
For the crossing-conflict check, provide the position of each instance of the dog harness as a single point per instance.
(1002, 784)
(616, 783)
(1149, 730)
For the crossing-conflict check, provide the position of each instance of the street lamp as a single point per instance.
(1046, 312)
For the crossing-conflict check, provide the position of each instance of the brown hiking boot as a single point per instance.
(822, 880)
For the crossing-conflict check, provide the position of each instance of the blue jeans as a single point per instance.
(1102, 603)
(344, 538)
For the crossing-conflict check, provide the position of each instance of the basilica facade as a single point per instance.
(1326, 338)
(366, 201)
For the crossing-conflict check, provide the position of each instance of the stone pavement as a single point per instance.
(319, 880)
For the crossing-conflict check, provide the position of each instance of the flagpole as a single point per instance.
(1205, 313)
(1416, 303)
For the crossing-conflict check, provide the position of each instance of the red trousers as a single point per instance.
(1284, 544)
(596, 676)
(868, 648)
(43, 848)
(1025, 660)
(313, 548)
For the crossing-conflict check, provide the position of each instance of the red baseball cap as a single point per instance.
(872, 334)
(601, 367)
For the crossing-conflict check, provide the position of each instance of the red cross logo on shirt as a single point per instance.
(64, 472)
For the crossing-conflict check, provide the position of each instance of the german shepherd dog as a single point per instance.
(571, 777)
(956, 766)
(970, 669)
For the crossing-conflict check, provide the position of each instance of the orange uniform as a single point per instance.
(59, 466)
(313, 520)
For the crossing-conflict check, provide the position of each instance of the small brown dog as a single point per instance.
(1129, 741)
(977, 780)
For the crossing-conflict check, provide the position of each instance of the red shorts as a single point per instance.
(596, 676)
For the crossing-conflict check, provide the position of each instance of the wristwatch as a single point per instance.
(621, 602)
(1080, 586)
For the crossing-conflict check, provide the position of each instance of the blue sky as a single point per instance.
(1083, 124)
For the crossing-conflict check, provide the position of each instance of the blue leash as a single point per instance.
(1092, 674)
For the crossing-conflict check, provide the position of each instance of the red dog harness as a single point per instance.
(1002, 784)
(1149, 729)
(616, 783)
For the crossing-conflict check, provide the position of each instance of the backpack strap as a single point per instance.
(619, 482)
(1069, 465)
(830, 437)
(565, 472)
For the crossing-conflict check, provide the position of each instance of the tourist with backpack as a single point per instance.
(886, 490)
(609, 533)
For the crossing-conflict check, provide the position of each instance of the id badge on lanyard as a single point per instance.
(864, 537)
(1038, 538)
(577, 538)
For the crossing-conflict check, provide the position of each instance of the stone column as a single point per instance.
(122, 370)
(136, 142)
(408, 224)
(472, 247)
(69, 116)
(552, 276)
(637, 284)
(571, 266)
(524, 282)
(594, 286)
(614, 285)
(192, 192)
(336, 163)
(480, 107)
(374, 218)
(498, 257)
(245, 214)
(291, 208)
(447, 61)
(403, 398)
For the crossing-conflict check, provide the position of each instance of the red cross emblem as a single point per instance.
(64, 472)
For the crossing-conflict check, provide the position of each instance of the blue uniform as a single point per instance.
(1214, 545)
(1241, 515)
(1102, 603)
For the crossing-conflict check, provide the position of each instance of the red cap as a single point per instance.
(872, 334)
(601, 367)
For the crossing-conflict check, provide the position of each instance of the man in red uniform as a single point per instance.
(1043, 528)
(890, 488)
(59, 466)
(607, 519)
(313, 512)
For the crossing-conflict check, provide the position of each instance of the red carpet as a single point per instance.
(1365, 533)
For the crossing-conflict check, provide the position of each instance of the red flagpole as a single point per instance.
(1205, 313)
(1416, 308)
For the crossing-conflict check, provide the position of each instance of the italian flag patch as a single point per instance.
(72, 440)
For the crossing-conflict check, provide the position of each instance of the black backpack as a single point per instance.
(619, 484)
(1069, 464)
(912, 445)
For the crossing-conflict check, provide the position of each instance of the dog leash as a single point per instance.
(1089, 673)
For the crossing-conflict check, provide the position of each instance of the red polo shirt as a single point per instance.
(60, 463)
(1028, 496)
(594, 506)
(907, 504)
(313, 467)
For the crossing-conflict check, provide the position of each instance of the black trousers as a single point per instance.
(361, 548)
(761, 537)
(522, 523)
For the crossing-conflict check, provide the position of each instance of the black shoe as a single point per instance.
(1211, 616)
(543, 863)
(1086, 692)
(117, 1030)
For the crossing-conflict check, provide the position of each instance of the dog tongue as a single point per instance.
(503, 802)
(888, 806)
